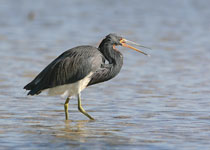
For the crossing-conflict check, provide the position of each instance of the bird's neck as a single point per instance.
(112, 55)
(110, 70)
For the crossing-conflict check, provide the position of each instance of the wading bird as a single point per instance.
(80, 67)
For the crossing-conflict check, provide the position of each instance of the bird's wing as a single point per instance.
(102, 74)
(71, 66)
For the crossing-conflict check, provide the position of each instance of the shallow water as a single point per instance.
(157, 102)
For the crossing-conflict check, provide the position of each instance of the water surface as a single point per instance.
(157, 102)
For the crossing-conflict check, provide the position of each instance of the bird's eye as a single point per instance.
(121, 41)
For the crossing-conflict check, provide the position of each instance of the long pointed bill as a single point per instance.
(124, 44)
(130, 42)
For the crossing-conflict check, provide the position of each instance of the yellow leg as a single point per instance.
(81, 109)
(66, 105)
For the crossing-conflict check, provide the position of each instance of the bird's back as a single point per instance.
(70, 67)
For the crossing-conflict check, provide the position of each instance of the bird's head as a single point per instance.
(116, 40)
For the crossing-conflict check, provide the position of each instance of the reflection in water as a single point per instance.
(161, 102)
(74, 131)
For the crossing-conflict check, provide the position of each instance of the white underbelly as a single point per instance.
(72, 89)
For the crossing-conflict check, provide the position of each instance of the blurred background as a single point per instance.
(157, 102)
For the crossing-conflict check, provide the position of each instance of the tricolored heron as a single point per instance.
(80, 67)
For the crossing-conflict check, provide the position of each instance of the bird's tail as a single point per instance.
(34, 89)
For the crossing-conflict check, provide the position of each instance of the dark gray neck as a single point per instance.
(112, 56)
(110, 70)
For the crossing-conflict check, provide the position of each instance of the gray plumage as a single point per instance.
(76, 63)
(71, 66)
(79, 67)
